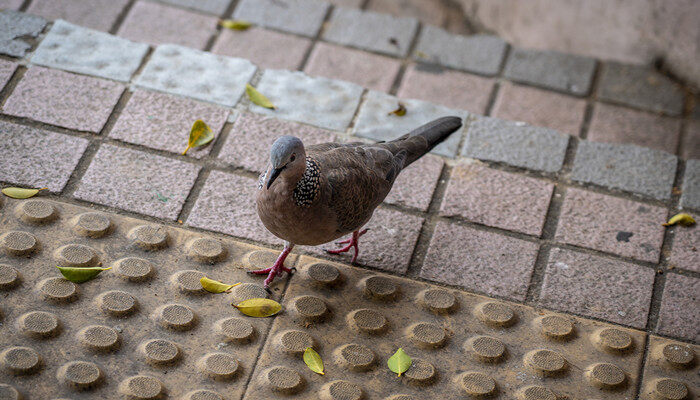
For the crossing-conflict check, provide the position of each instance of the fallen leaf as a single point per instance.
(258, 308)
(80, 275)
(399, 362)
(258, 98)
(400, 111)
(682, 219)
(20, 193)
(422, 54)
(235, 24)
(313, 360)
(213, 286)
(200, 134)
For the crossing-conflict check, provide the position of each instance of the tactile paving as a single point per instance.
(671, 370)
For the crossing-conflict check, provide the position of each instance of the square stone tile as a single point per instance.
(371, 31)
(265, 48)
(64, 99)
(86, 51)
(322, 102)
(690, 146)
(366, 69)
(17, 31)
(428, 13)
(515, 143)
(375, 122)
(416, 183)
(11, 4)
(685, 252)
(347, 3)
(156, 24)
(136, 181)
(7, 68)
(163, 122)
(690, 197)
(551, 70)
(640, 86)
(680, 308)
(611, 224)
(197, 74)
(480, 261)
(38, 158)
(100, 14)
(496, 198)
(539, 108)
(449, 88)
(597, 287)
(216, 7)
(248, 144)
(303, 17)
(482, 54)
(613, 124)
(627, 167)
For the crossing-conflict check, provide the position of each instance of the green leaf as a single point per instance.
(313, 360)
(213, 286)
(258, 308)
(235, 24)
(200, 134)
(80, 275)
(20, 193)
(400, 111)
(399, 362)
(258, 98)
(682, 219)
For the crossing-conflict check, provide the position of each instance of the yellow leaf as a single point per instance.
(422, 54)
(682, 219)
(400, 111)
(399, 362)
(200, 134)
(20, 193)
(313, 360)
(258, 98)
(235, 24)
(213, 286)
(258, 308)
(80, 275)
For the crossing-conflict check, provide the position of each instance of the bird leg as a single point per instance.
(277, 268)
(352, 242)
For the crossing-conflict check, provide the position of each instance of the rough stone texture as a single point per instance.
(641, 87)
(686, 248)
(11, 4)
(628, 167)
(449, 88)
(136, 181)
(515, 143)
(429, 13)
(495, 198)
(248, 144)
(477, 260)
(323, 102)
(15, 30)
(611, 224)
(303, 17)
(690, 198)
(197, 74)
(597, 287)
(482, 54)
(368, 30)
(690, 146)
(369, 70)
(680, 308)
(551, 70)
(156, 24)
(375, 122)
(7, 68)
(266, 48)
(37, 158)
(64, 99)
(415, 185)
(540, 108)
(613, 124)
(347, 3)
(100, 14)
(163, 122)
(216, 7)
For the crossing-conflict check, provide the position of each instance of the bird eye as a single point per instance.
(293, 157)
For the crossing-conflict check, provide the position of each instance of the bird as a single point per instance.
(317, 194)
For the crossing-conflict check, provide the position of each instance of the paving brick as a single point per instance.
(347, 3)
(16, 30)
(551, 70)
(64, 99)
(690, 198)
(100, 14)
(611, 224)
(540, 108)
(11, 4)
(495, 198)
(371, 31)
(159, 24)
(86, 51)
(216, 7)
(641, 87)
(197, 74)
(515, 143)
(7, 68)
(369, 70)
(136, 181)
(426, 12)
(303, 17)
(38, 158)
(266, 48)
(322, 102)
(597, 287)
(481, 261)
(375, 122)
(690, 146)
(449, 88)
(627, 167)
(482, 54)
(163, 122)
(613, 124)
(248, 144)
(679, 315)
(686, 247)
(415, 185)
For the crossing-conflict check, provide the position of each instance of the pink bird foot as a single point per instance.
(352, 242)
(276, 269)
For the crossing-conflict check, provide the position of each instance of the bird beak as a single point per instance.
(273, 175)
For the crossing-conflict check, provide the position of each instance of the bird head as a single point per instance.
(288, 158)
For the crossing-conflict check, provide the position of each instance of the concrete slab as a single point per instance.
(303, 17)
(482, 54)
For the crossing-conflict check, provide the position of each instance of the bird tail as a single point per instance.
(434, 133)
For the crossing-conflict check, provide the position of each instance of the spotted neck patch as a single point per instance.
(308, 187)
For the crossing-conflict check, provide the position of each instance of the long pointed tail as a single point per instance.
(424, 138)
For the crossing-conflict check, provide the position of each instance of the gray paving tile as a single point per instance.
(15, 27)
(627, 167)
(372, 31)
(482, 54)
(208, 6)
(552, 70)
(197, 74)
(679, 315)
(303, 17)
(691, 185)
(7, 68)
(515, 143)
